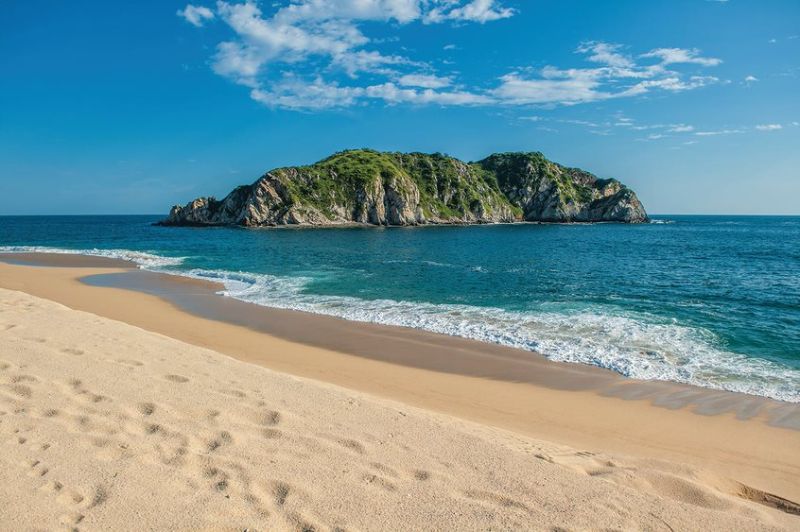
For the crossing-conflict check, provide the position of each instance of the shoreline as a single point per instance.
(332, 316)
(106, 426)
(753, 440)
(367, 225)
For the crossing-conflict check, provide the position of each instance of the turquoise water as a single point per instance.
(711, 301)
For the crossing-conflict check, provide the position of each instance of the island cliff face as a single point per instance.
(376, 188)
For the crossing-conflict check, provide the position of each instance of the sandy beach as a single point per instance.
(134, 408)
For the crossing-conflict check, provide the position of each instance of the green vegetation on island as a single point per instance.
(389, 188)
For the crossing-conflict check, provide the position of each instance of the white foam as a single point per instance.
(140, 258)
(636, 346)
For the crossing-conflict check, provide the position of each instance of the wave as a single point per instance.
(142, 259)
(632, 344)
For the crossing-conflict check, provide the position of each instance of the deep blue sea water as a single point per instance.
(711, 301)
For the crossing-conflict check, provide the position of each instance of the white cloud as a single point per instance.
(449, 47)
(312, 38)
(680, 128)
(403, 11)
(605, 53)
(426, 81)
(196, 15)
(571, 89)
(750, 79)
(669, 56)
(238, 62)
(293, 93)
(393, 94)
(370, 61)
(480, 11)
(769, 127)
(672, 83)
(314, 54)
(581, 85)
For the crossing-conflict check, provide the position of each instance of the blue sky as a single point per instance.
(133, 106)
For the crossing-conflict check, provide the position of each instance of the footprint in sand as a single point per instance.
(386, 470)
(280, 491)
(129, 362)
(421, 475)
(301, 523)
(271, 434)
(70, 498)
(20, 390)
(52, 486)
(72, 351)
(379, 481)
(146, 409)
(36, 468)
(270, 418)
(218, 476)
(234, 393)
(224, 438)
(176, 378)
(99, 496)
(497, 499)
(72, 519)
(93, 397)
(353, 445)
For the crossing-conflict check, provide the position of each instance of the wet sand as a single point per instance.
(747, 439)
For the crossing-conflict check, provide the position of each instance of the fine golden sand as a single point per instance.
(105, 425)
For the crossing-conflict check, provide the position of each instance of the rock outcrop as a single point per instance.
(376, 188)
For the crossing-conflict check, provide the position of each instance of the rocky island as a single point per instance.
(401, 189)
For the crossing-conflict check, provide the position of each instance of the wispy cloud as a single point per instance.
(426, 81)
(671, 56)
(475, 11)
(313, 54)
(620, 124)
(713, 133)
(619, 75)
(196, 15)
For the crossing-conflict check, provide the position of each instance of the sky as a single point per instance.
(131, 107)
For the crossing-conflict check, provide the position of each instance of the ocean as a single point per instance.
(712, 301)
